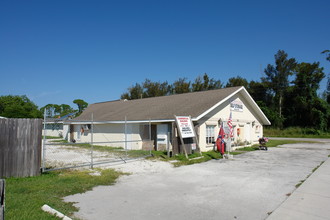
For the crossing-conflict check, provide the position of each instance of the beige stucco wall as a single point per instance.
(51, 132)
(111, 135)
(246, 121)
(56, 130)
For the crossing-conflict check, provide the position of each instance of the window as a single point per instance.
(210, 134)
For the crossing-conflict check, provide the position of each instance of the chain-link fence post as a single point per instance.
(92, 141)
(43, 149)
(126, 137)
(150, 135)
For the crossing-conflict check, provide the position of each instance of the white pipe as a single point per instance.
(52, 211)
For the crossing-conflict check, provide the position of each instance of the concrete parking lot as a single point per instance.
(250, 186)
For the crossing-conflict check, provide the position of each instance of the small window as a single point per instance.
(87, 127)
(210, 134)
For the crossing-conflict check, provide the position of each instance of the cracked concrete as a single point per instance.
(250, 186)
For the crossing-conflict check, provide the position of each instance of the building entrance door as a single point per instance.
(162, 133)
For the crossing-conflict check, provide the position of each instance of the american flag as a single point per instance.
(230, 125)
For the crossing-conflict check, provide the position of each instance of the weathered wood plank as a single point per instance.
(175, 144)
(20, 147)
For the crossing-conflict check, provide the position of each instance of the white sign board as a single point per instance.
(185, 126)
(236, 105)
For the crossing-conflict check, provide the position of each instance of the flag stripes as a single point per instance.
(230, 125)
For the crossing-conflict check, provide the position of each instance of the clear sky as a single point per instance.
(55, 51)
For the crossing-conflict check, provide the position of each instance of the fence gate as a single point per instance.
(68, 143)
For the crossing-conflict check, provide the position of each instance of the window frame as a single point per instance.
(210, 134)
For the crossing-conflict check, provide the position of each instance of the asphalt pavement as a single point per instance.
(254, 185)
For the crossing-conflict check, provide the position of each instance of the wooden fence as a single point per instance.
(20, 147)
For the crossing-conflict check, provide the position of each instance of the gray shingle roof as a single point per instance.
(157, 108)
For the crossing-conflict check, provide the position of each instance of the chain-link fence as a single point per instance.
(68, 143)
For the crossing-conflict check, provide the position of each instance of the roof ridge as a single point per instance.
(155, 97)
(195, 104)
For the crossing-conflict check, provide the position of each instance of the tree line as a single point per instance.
(149, 89)
(287, 93)
(15, 106)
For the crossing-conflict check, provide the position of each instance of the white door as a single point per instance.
(162, 130)
(247, 132)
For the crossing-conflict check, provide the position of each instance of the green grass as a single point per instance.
(295, 132)
(317, 167)
(98, 147)
(116, 150)
(195, 158)
(302, 181)
(181, 160)
(58, 141)
(53, 137)
(26, 196)
(119, 151)
(299, 184)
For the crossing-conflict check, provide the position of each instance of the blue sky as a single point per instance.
(55, 51)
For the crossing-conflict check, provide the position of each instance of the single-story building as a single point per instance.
(151, 121)
(56, 127)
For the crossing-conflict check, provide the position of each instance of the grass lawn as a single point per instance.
(26, 196)
(295, 132)
(53, 137)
